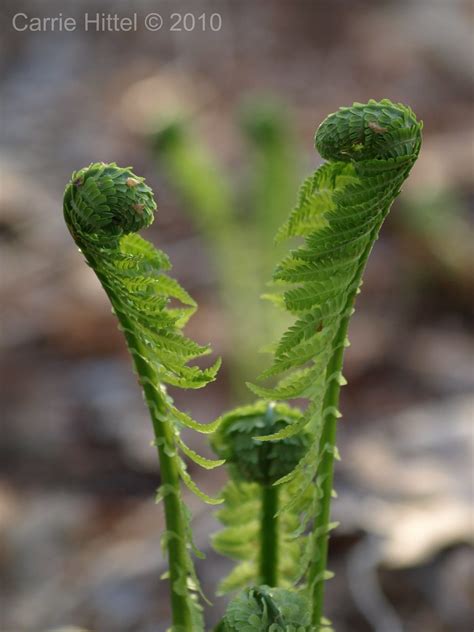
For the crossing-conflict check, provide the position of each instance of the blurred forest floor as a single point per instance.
(79, 532)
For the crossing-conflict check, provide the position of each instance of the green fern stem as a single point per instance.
(269, 536)
(327, 443)
(327, 450)
(176, 544)
(170, 482)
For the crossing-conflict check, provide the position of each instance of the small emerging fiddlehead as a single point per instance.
(254, 533)
(104, 206)
(370, 150)
(237, 442)
(266, 609)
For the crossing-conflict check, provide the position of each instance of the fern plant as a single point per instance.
(104, 206)
(369, 151)
(254, 534)
(276, 512)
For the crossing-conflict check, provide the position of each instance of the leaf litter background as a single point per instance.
(79, 532)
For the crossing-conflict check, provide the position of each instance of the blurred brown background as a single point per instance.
(80, 534)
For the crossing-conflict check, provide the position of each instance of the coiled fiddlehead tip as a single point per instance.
(106, 201)
(374, 130)
(262, 608)
(262, 462)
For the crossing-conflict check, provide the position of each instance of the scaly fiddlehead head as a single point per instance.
(252, 460)
(103, 202)
(266, 609)
(104, 206)
(253, 533)
(370, 150)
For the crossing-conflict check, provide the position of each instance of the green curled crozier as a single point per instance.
(236, 440)
(369, 131)
(104, 201)
(265, 609)
(258, 532)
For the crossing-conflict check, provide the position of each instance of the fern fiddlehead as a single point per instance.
(253, 533)
(104, 206)
(266, 609)
(369, 151)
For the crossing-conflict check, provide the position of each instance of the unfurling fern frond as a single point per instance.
(370, 150)
(104, 206)
(263, 542)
